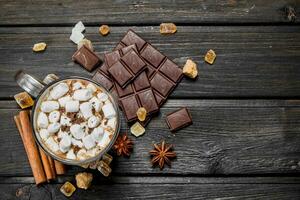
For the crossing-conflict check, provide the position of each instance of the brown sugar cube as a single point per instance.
(167, 28)
(67, 189)
(24, 100)
(190, 69)
(104, 30)
(210, 56)
(39, 47)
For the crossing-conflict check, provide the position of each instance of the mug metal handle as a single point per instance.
(31, 84)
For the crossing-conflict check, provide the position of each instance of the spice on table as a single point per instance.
(137, 129)
(141, 113)
(60, 168)
(85, 42)
(67, 189)
(24, 126)
(46, 164)
(190, 69)
(38, 47)
(210, 56)
(24, 100)
(161, 154)
(104, 30)
(123, 145)
(107, 158)
(167, 28)
(84, 180)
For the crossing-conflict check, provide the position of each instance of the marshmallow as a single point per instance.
(86, 109)
(70, 155)
(77, 131)
(44, 134)
(72, 106)
(104, 140)
(88, 142)
(97, 133)
(65, 121)
(59, 90)
(108, 111)
(79, 27)
(112, 122)
(62, 134)
(53, 128)
(84, 126)
(65, 144)
(81, 154)
(76, 36)
(82, 94)
(42, 120)
(77, 85)
(77, 143)
(62, 101)
(93, 122)
(96, 103)
(102, 96)
(50, 142)
(91, 87)
(49, 106)
(54, 116)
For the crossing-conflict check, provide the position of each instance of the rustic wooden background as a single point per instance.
(245, 140)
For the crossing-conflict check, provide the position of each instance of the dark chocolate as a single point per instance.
(137, 94)
(179, 119)
(127, 68)
(101, 78)
(164, 75)
(86, 58)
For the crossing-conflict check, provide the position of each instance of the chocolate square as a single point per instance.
(162, 85)
(171, 70)
(112, 57)
(104, 80)
(130, 106)
(120, 74)
(86, 58)
(124, 91)
(152, 55)
(132, 38)
(148, 101)
(133, 61)
(179, 119)
(141, 82)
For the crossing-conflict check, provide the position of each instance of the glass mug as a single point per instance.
(39, 89)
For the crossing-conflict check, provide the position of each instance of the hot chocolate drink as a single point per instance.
(75, 119)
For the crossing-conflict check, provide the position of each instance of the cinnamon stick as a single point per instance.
(59, 168)
(31, 148)
(52, 166)
(46, 164)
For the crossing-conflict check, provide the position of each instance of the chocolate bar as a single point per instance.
(86, 58)
(164, 75)
(137, 94)
(127, 68)
(179, 119)
(102, 75)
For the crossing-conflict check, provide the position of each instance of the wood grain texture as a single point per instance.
(163, 188)
(251, 61)
(143, 12)
(228, 137)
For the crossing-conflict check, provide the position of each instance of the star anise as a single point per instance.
(123, 145)
(161, 154)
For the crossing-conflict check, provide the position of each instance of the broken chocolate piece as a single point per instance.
(179, 119)
(86, 58)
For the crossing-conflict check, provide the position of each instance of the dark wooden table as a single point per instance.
(245, 140)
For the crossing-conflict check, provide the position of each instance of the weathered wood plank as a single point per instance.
(228, 137)
(161, 188)
(251, 61)
(144, 12)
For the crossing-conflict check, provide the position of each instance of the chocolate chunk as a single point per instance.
(86, 58)
(112, 57)
(179, 119)
(164, 75)
(101, 78)
(127, 68)
(137, 94)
